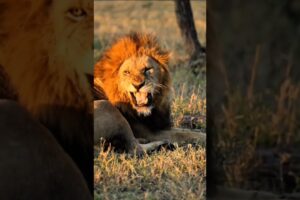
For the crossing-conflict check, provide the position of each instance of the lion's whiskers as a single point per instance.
(159, 85)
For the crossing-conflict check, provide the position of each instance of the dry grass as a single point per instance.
(178, 174)
(189, 99)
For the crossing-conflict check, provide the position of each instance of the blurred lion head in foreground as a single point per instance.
(133, 74)
(46, 48)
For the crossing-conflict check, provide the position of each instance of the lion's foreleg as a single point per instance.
(148, 147)
(180, 136)
(114, 128)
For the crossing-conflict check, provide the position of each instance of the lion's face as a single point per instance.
(52, 41)
(139, 81)
(73, 33)
(133, 75)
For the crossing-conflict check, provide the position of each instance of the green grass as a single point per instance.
(178, 174)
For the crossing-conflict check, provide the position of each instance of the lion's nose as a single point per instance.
(138, 85)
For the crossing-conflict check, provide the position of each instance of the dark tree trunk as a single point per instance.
(185, 20)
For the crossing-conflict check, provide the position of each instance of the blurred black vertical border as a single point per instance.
(253, 83)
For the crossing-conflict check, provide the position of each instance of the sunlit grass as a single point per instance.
(189, 99)
(176, 174)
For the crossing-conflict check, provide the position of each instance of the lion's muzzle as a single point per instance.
(141, 99)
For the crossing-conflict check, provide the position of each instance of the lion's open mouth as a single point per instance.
(142, 99)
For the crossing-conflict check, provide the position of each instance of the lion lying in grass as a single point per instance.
(133, 85)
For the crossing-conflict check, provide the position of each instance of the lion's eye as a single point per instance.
(149, 70)
(76, 14)
(126, 72)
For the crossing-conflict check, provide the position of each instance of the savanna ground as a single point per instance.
(178, 174)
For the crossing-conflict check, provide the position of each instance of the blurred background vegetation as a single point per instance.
(253, 91)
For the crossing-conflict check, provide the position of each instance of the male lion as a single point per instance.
(45, 48)
(132, 81)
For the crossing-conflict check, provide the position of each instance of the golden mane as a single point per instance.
(127, 46)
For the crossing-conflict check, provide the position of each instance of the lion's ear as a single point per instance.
(163, 58)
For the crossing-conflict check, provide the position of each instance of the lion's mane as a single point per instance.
(106, 76)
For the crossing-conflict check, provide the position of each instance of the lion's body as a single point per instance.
(33, 165)
(44, 51)
(133, 76)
